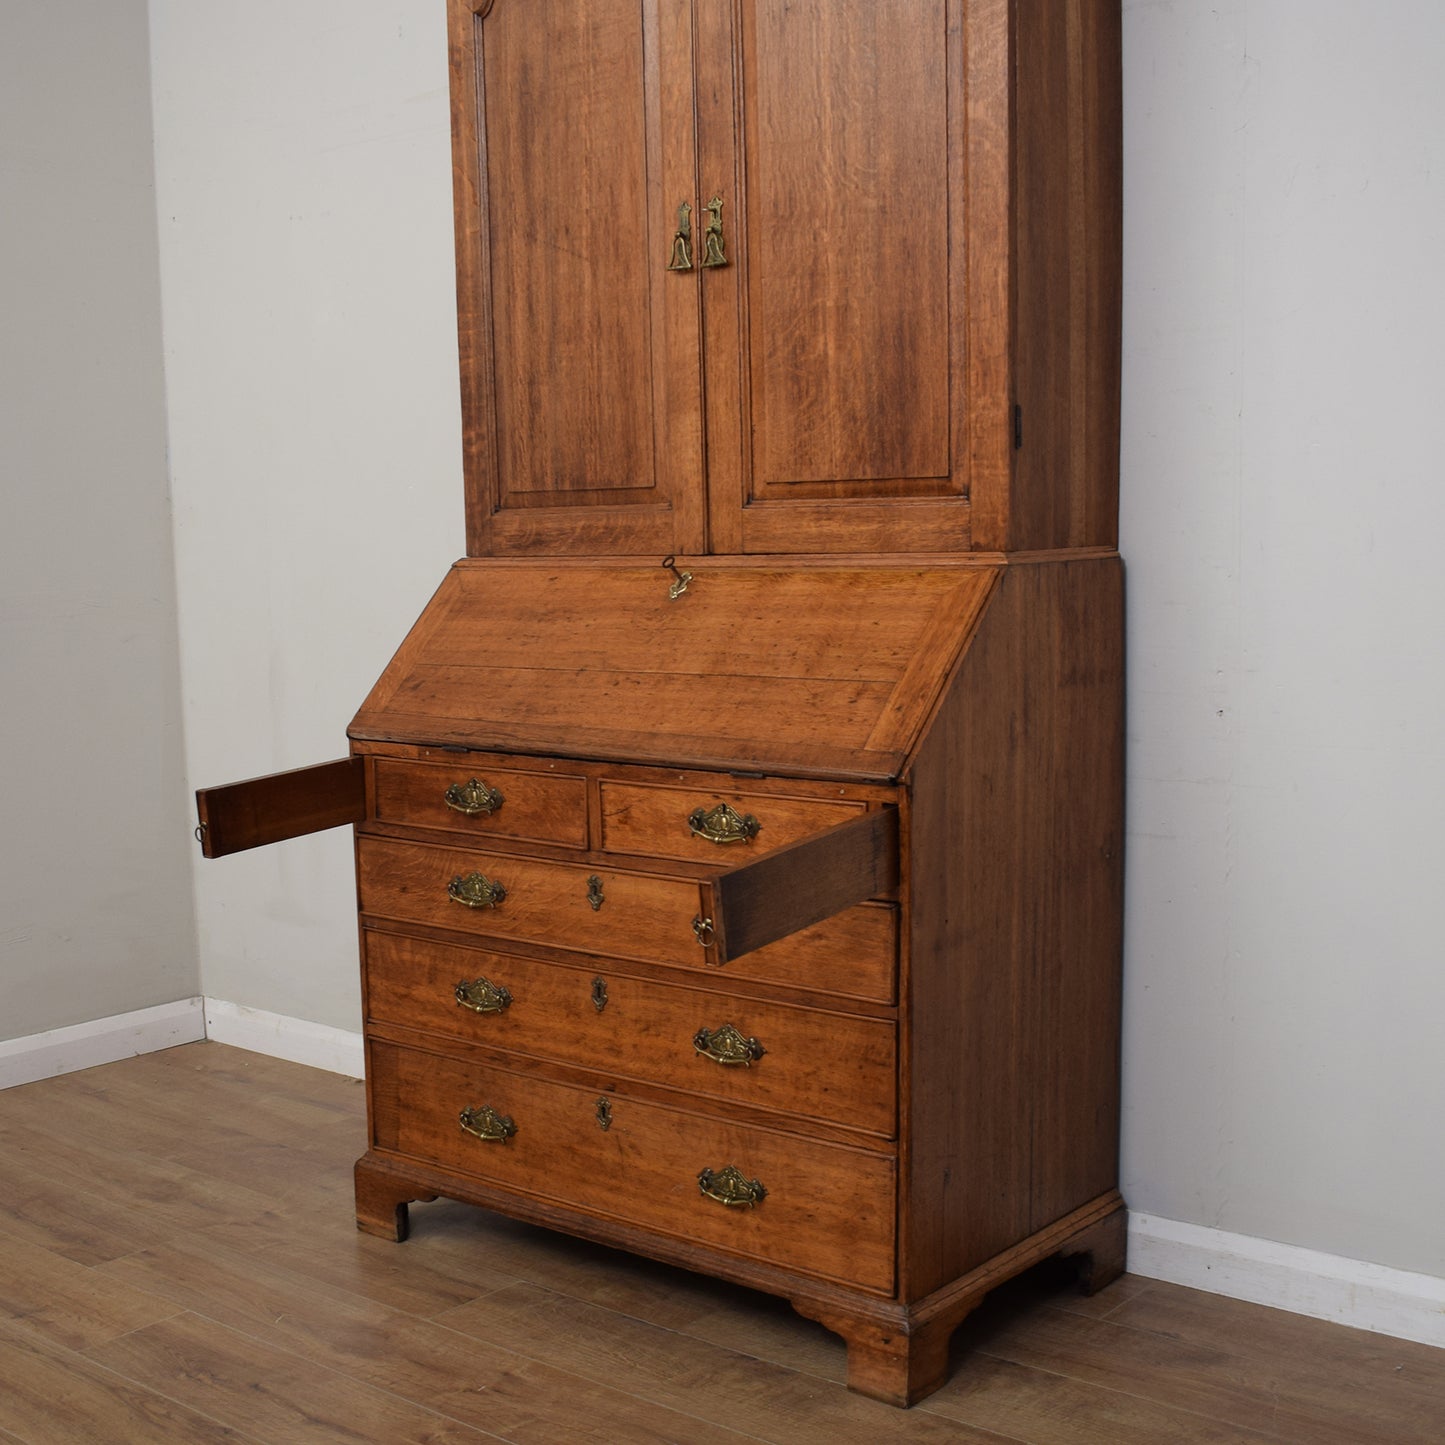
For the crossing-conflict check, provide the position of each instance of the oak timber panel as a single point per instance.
(1012, 1010)
(579, 351)
(819, 669)
(836, 344)
(829, 1210)
(815, 1064)
(1065, 201)
(645, 916)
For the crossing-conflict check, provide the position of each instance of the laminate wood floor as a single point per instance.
(179, 1262)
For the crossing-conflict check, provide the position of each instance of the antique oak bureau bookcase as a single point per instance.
(738, 831)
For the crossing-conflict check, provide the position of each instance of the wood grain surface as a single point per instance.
(267, 1317)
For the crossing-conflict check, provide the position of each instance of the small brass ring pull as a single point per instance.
(726, 1045)
(681, 579)
(594, 892)
(475, 798)
(728, 1187)
(476, 890)
(487, 1125)
(722, 824)
(680, 258)
(483, 996)
(712, 236)
(702, 930)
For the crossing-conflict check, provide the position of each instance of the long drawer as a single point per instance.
(615, 913)
(798, 1061)
(825, 1210)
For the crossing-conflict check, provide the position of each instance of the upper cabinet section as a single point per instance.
(787, 275)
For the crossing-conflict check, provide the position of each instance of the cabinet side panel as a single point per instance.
(1015, 891)
(1067, 217)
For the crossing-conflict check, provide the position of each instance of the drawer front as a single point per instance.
(642, 916)
(485, 802)
(828, 1210)
(660, 822)
(813, 1064)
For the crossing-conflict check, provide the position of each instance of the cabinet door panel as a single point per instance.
(579, 349)
(834, 338)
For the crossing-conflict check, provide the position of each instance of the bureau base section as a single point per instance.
(897, 1352)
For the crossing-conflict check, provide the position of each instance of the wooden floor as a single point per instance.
(178, 1262)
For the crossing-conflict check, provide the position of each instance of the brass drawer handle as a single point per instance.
(728, 1187)
(483, 996)
(722, 824)
(486, 1124)
(702, 930)
(476, 890)
(726, 1045)
(475, 798)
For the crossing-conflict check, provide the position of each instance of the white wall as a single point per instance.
(1284, 220)
(304, 178)
(95, 904)
(1283, 502)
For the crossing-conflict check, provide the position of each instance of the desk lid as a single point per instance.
(762, 665)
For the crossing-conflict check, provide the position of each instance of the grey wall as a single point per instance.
(1283, 505)
(303, 167)
(95, 899)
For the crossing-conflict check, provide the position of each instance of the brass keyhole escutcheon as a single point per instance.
(599, 993)
(594, 892)
(604, 1113)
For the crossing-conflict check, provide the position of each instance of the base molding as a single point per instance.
(101, 1041)
(298, 1041)
(1330, 1287)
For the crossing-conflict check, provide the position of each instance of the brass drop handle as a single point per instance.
(728, 1186)
(722, 824)
(483, 996)
(726, 1045)
(703, 931)
(476, 890)
(486, 1124)
(712, 236)
(680, 258)
(475, 798)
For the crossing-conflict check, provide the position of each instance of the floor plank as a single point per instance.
(54, 1396)
(179, 1261)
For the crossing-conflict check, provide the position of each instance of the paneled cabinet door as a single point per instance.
(839, 414)
(574, 146)
(714, 288)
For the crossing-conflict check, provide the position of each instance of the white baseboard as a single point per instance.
(102, 1041)
(1286, 1277)
(301, 1042)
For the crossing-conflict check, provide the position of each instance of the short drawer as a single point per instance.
(825, 1210)
(798, 1061)
(718, 828)
(483, 802)
(617, 913)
